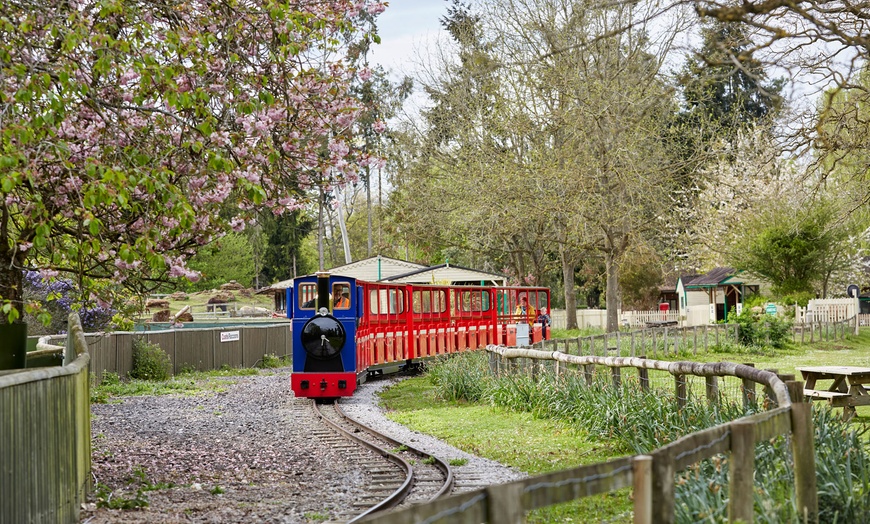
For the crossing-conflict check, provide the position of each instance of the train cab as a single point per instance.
(323, 309)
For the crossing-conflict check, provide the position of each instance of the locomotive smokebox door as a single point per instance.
(323, 338)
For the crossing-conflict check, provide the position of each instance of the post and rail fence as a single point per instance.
(651, 476)
(666, 340)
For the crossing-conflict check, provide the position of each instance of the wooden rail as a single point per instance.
(45, 455)
(650, 341)
(651, 476)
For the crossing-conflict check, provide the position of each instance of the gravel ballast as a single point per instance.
(246, 454)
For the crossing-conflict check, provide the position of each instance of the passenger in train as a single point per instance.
(544, 320)
(343, 301)
(525, 311)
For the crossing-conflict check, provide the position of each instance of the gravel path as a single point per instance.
(243, 455)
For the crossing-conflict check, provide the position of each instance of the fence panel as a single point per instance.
(46, 441)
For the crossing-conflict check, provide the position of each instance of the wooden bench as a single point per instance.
(835, 398)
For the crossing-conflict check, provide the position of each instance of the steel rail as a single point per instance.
(397, 496)
(437, 462)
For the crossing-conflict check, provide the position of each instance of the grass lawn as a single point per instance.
(538, 446)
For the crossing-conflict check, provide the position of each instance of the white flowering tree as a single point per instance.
(133, 132)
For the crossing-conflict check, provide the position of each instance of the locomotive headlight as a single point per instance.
(323, 337)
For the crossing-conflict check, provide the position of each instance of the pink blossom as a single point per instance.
(379, 126)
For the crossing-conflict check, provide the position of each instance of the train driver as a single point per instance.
(525, 311)
(343, 301)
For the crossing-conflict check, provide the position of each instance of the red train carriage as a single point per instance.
(393, 326)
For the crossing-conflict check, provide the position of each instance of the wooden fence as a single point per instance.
(191, 349)
(650, 342)
(809, 332)
(651, 476)
(45, 438)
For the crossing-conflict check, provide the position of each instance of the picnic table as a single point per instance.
(846, 389)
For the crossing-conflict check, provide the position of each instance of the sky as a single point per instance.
(406, 25)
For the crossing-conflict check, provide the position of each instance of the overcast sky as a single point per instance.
(404, 26)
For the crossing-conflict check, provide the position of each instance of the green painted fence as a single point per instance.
(45, 438)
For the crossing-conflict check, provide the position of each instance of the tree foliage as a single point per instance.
(792, 248)
(126, 126)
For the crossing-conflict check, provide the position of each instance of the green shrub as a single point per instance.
(760, 329)
(150, 362)
(462, 377)
(271, 360)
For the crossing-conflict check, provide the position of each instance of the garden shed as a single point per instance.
(717, 293)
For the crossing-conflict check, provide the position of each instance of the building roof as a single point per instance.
(446, 273)
(369, 269)
(376, 268)
(711, 278)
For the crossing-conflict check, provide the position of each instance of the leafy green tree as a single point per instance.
(791, 248)
(282, 258)
(724, 88)
(229, 258)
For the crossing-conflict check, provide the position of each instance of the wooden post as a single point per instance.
(643, 375)
(680, 381)
(588, 370)
(663, 486)
(632, 343)
(642, 481)
(804, 453)
(748, 389)
(769, 395)
(655, 346)
(740, 504)
(616, 373)
(712, 383)
(695, 343)
(705, 338)
(505, 503)
(716, 327)
(665, 339)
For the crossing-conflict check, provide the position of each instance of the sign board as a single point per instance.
(712, 312)
(229, 336)
(852, 290)
(739, 308)
(770, 309)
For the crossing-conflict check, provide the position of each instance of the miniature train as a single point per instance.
(346, 329)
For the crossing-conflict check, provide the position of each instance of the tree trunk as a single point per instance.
(568, 282)
(612, 289)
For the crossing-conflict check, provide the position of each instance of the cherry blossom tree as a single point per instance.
(131, 133)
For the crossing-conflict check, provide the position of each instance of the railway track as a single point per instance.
(400, 474)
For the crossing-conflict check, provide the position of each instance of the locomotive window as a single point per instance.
(341, 295)
(307, 296)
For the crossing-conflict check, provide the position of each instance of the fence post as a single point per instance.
(740, 504)
(748, 389)
(680, 381)
(643, 376)
(505, 503)
(695, 343)
(642, 483)
(588, 369)
(663, 486)
(804, 453)
(712, 383)
(632, 343)
(706, 332)
(665, 339)
(617, 378)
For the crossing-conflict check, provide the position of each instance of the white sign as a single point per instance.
(712, 312)
(229, 336)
